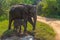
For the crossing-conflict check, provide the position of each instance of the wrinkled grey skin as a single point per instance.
(26, 12)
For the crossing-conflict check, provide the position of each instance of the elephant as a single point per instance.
(17, 24)
(25, 12)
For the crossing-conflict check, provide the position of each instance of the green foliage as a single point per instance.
(43, 31)
(3, 26)
(5, 6)
(49, 8)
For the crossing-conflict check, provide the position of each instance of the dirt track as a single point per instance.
(55, 24)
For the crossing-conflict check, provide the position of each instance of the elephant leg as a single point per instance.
(15, 28)
(20, 28)
(10, 21)
(32, 22)
(25, 25)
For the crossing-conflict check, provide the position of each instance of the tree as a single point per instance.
(48, 8)
(5, 6)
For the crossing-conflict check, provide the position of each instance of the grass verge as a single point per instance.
(43, 31)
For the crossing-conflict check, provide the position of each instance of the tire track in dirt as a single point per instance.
(55, 24)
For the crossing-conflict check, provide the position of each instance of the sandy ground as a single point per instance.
(55, 24)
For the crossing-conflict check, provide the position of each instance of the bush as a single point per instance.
(5, 6)
(49, 8)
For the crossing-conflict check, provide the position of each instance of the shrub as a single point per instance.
(49, 8)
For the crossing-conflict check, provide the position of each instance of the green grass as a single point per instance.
(43, 31)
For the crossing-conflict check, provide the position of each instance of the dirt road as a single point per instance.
(55, 24)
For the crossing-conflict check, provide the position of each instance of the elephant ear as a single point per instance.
(33, 9)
